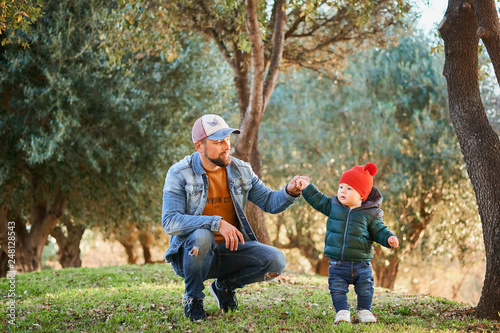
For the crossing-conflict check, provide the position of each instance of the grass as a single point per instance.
(147, 298)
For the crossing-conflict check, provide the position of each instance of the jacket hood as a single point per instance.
(374, 199)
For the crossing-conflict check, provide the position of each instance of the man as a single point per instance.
(204, 197)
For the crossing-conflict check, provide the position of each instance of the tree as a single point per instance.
(464, 24)
(68, 237)
(17, 18)
(389, 108)
(258, 38)
(39, 102)
(73, 129)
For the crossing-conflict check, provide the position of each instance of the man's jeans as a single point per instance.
(342, 274)
(200, 258)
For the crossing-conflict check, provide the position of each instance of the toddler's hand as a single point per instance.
(301, 183)
(393, 241)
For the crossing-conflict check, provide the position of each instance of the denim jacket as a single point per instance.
(185, 195)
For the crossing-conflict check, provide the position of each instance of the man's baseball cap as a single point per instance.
(212, 127)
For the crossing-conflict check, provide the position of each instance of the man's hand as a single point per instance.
(231, 234)
(393, 241)
(294, 187)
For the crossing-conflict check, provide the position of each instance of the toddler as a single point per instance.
(354, 223)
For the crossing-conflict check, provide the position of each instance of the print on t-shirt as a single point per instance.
(219, 201)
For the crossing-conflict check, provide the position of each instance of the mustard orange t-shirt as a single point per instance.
(219, 201)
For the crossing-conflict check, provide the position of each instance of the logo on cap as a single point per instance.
(213, 123)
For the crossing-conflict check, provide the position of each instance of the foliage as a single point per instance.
(388, 108)
(17, 18)
(318, 33)
(140, 28)
(148, 299)
(105, 134)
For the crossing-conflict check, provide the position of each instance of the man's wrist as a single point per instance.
(290, 193)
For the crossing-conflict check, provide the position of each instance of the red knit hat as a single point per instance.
(360, 178)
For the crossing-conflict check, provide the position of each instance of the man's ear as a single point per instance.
(197, 146)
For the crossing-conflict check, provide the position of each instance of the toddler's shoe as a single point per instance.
(365, 316)
(343, 315)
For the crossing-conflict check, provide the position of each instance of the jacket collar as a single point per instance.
(197, 165)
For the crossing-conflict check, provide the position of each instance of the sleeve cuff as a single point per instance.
(290, 197)
(214, 227)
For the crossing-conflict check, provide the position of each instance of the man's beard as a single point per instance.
(220, 162)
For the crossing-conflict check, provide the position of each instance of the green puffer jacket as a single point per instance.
(350, 233)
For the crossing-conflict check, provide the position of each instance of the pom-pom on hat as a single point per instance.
(360, 178)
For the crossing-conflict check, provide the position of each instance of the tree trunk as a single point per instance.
(145, 239)
(253, 104)
(29, 244)
(254, 214)
(68, 254)
(4, 241)
(127, 236)
(4, 263)
(129, 250)
(322, 267)
(385, 267)
(479, 143)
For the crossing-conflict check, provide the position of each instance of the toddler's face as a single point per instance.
(348, 196)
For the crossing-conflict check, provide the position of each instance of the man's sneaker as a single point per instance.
(365, 316)
(193, 309)
(343, 315)
(225, 298)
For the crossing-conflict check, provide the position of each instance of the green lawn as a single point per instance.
(148, 299)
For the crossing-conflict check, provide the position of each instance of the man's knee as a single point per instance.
(277, 261)
(200, 242)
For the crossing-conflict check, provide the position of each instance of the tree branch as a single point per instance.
(278, 42)
(489, 31)
(253, 115)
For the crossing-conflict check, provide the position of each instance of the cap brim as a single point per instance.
(223, 133)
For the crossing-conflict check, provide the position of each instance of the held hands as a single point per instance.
(231, 235)
(297, 184)
(393, 241)
(302, 183)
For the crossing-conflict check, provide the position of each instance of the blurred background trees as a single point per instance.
(388, 107)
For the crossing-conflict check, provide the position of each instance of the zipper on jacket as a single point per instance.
(345, 234)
